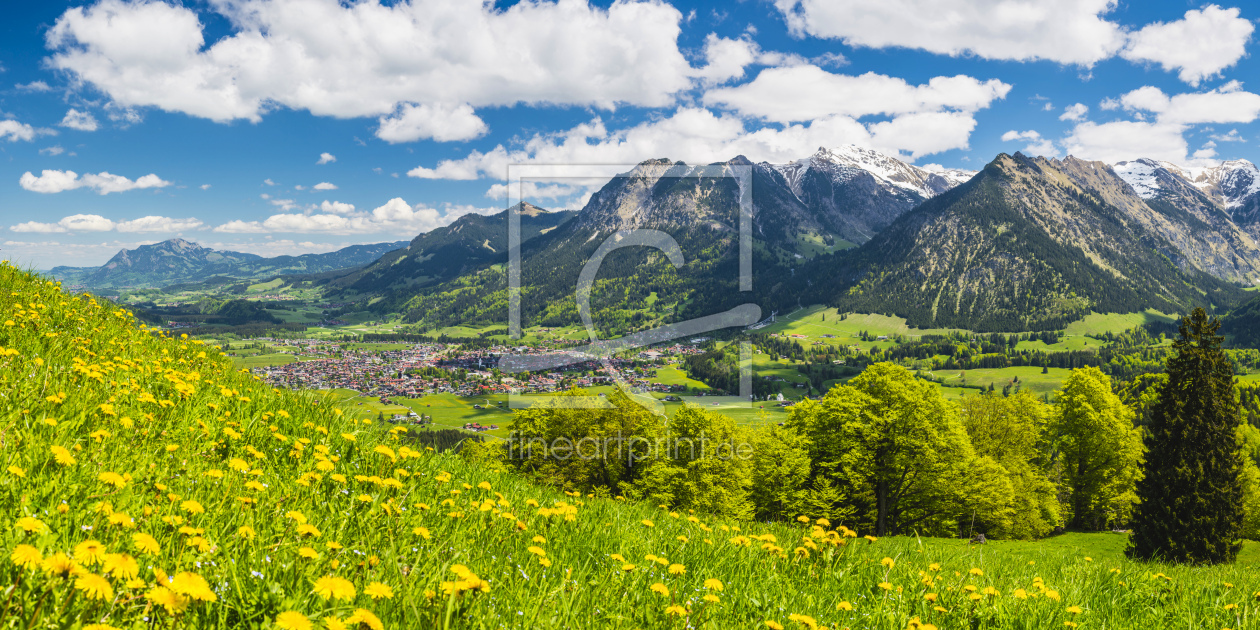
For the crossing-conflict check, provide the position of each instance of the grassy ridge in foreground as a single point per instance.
(191, 495)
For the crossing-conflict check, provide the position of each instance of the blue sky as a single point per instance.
(124, 123)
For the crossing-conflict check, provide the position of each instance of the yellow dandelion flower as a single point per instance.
(308, 553)
(676, 610)
(333, 587)
(89, 552)
(173, 602)
(146, 544)
(888, 562)
(26, 556)
(660, 589)
(246, 532)
(774, 625)
(362, 616)
(16, 472)
(30, 524)
(94, 587)
(711, 598)
(377, 590)
(62, 456)
(333, 623)
(192, 507)
(976, 572)
(306, 529)
(714, 584)
(120, 566)
(1075, 610)
(677, 569)
(931, 597)
(1053, 595)
(647, 523)
(292, 620)
(844, 606)
(886, 586)
(193, 586)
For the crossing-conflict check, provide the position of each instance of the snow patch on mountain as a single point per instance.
(1140, 174)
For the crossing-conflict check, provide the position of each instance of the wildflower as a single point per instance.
(362, 616)
(1075, 610)
(774, 625)
(935, 566)
(30, 524)
(291, 620)
(886, 586)
(538, 551)
(62, 456)
(713, 584)
(60, 565)
(677, 569)
(540, 540)
(660, 589)
(26, 556)
(1053, 595)
(308, 553)
(976, 572)
(804, 620)
(377, 590)
(89, 552)
(333, 623)
(888, 562)
(16, 472)
(931, 597)
(246, 532)
(146, 544)
(421, 532)
(173, 602)
(120, 565)
(193, 586)
(647, 523)
(94, 587)
(711, 598)
(1020, 594)
(676, 610)
(113, 479)
(844, 606)
(306, 529)
(333, 587)
(192, 507)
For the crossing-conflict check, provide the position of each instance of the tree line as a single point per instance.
(886, 453)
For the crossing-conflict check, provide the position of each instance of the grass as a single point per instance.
(243, 489)
(1030, 378)
(1100, 323)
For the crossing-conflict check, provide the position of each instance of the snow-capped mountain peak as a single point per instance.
(1230, 183)
(849, 160)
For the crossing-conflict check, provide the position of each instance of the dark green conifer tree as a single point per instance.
(1191, 497)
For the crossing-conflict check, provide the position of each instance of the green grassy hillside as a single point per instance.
(146, 483)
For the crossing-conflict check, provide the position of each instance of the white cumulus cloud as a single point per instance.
(54, 181)
(82, 121)
(698, 135)
(369, 59)
(13, 131)
(807, 92)
(443, 123)
(395, 216)
(1075, 112)
(1036, 145)
(98, 223)
(1065, 31)
(326, 158)
(324, 186)
(1198, 47)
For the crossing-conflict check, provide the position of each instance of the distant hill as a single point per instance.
(470, 242)
(180, 261)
